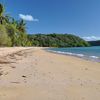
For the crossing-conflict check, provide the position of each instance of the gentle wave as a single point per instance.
(68, 53)
(95, 58)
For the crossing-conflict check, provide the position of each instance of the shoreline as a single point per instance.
(77, 55)
(36, 74)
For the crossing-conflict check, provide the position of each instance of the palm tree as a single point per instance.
(21, 26)
(2, 17)
(16, 30)
(9, 19)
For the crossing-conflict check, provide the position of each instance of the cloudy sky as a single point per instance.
(79, 17)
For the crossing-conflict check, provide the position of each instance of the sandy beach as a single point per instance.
(35, 74)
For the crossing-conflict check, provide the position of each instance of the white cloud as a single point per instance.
(28, 17)
(91, 38)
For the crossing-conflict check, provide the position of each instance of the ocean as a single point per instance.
(89, 53)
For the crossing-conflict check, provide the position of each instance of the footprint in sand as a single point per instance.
(83, 98)
(0, 68)
(36, 64)
(16, 82)
(24, 76)
(1, 73)
(86, 68)
(98, 83)
(81, 84)
(79, 79)
(12, 66)
(6, 73)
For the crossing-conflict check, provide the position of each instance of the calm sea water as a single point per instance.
(92, 53)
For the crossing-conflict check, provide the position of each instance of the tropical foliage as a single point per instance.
(12, 32)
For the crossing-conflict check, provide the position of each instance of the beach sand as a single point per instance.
(35, 74)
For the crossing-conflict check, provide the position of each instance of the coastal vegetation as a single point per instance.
(94, 43)
(13, 33)
(56, 40)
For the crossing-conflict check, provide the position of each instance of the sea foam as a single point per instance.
(94, 58)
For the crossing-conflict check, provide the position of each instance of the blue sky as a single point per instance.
(79, 17)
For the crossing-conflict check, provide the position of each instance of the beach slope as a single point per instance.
(35, 74)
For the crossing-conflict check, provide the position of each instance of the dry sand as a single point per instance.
(35, 74)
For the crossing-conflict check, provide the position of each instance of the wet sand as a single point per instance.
(35, 74)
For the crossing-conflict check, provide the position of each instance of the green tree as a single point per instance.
(2, 17)
(4, 38)
(21, 26)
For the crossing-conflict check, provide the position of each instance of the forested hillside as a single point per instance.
(56, 40)
(94, 43)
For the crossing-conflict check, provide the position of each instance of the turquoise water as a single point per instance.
(92, 53)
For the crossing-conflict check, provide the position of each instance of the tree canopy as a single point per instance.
(56, 40)
(12, 30)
